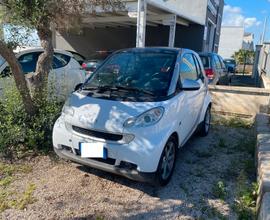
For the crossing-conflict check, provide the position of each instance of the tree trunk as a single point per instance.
(44, 63)
(19, 78)
(245, 63)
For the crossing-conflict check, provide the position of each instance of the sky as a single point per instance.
(248, 13)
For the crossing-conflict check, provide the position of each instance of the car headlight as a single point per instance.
(67, 109)
(147, 118)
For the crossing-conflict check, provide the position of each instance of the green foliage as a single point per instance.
(20, 133)
(244, 56)
(8, 175)
(219, 190)
(245, 204)
(233, 122)
(9, 199)
(26, 198)
(222, 143)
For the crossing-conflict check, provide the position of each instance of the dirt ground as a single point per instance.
(68, 191)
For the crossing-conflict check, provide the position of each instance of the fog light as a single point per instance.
(127, 138)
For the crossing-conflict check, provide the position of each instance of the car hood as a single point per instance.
(103, 114)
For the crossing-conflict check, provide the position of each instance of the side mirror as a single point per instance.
(78, 86)
(190, 85)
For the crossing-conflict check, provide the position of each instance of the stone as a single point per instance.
(264, 212)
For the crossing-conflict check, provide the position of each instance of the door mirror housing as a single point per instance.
(78, 86)
(190, 85)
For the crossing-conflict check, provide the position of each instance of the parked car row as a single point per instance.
(215, 69)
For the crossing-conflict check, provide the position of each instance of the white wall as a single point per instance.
(192, 9)
(231, 40)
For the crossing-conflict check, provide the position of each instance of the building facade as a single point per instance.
(234, 38)
(213, 25)
(175, 23)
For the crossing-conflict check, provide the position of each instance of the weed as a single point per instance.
(8, 198)
(190, 161)
(184, 188)
(203, 153)
(99, 217)
(222, 143)
(26, 198)
(245, 204)
(232, 171)
(199, 172)
(219, 190)
(249, 166)
(233, 122)
(4, 182)
(246, 145)
(10, 169)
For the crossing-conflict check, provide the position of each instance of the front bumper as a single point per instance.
(136, 160)
(128, 173)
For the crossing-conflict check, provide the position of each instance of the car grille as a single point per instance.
(109, 161)
(98, 134)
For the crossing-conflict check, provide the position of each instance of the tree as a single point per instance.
(243, 57)
(42, 16)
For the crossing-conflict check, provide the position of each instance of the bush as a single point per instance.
(20, 133)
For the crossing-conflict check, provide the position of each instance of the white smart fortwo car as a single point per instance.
(134, 112)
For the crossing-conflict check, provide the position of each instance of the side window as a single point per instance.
(77, 57)
(217, 62)
(188, 68)
(29, 62)
(6, 72)
(222, 62)
(60, 60)
(199, 69)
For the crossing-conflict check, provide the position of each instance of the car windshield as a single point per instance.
(229, 61)
(2, 60)
(205, 61)
(146, 71)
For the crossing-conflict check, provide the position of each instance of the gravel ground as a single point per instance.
(69, 191)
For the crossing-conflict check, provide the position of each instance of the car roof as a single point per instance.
(207, 54)
(153, 49)
(23, 50)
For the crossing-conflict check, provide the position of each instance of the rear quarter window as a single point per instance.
(60, 60)
(206, 61)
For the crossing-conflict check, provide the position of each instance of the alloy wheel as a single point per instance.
(168, 160)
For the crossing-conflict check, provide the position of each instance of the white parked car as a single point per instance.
(65, 74)
(134, 112)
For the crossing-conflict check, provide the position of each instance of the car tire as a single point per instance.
(167, 162)
(204, 127)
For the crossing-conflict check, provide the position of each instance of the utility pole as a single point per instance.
(264, 30)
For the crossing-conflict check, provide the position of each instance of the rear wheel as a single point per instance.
(167, 162)
(205, 125)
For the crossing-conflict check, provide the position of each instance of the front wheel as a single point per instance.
(167, 162)
(205, 125)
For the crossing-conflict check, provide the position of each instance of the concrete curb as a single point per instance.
(263, 165)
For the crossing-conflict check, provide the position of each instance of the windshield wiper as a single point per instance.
(116, 88)
(103, 88)
(135, 89)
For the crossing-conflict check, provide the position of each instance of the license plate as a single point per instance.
(93, 150)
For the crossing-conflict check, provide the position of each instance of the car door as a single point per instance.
(225, 71)
(217, 67)
(191, 101)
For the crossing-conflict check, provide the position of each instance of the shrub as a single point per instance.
(20, 133)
